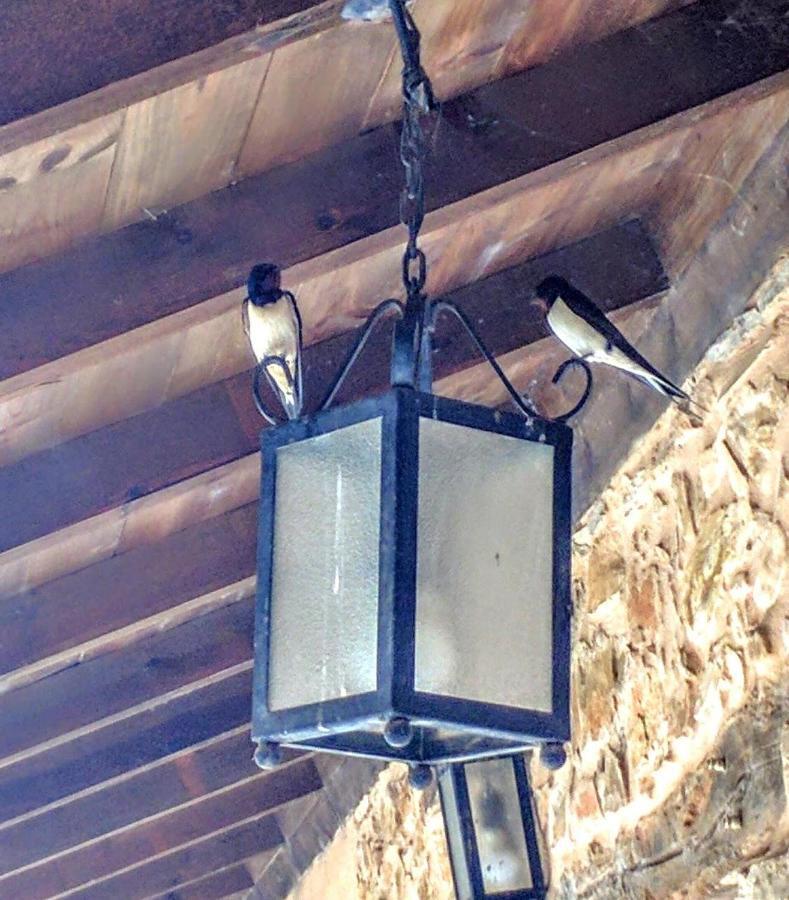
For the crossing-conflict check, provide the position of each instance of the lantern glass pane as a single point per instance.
(324, 592)
(485, 566)
(498, 826)
(542, 846)
(454, 833)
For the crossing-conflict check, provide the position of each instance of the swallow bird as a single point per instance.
(273, 325)
(588, 333)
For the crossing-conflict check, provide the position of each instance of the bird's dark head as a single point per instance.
(550, 288)
(263, 284)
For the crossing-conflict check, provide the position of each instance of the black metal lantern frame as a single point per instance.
(443, 728)
(496, 847)
(394, 716)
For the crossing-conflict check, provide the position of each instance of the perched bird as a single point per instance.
(273, 326)
(587, 332)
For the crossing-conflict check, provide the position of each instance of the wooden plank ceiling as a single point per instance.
(604, 140)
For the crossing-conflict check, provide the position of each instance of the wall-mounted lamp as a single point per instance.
(496, 847)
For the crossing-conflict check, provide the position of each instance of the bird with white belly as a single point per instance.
(273, 326)
(585, 330)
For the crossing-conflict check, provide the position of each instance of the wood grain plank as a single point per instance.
(188, 863)
(118, 95)
(707, 182)
(128, 587)
(464, 24)
(129, 36)
(89, 464)
(183, 143)
(93, 387)
(316, 93)
(114, 682)
(101, 846)
(53, 192)
(462, 43)
(165, 730)
(135, 454)
(233, 881)
(487, 136)
(132, 524)
(549, 26)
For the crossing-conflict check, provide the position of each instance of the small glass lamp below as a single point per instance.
(496, 847)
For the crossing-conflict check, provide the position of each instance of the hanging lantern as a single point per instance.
(413, 580)
(414, 551)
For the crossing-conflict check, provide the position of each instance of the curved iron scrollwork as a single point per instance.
(378, 313)
(524, 405)
(262, 369)
(574, 361)
(523, 402)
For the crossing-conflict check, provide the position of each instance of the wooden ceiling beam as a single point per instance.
(225, 884)
(198, 123)
(175, 356)
(184, 864)
(131, 525)
(130, 37)
(486, 137)
(206, 713)
(59, 852)
(144, 790)
(130, 675)
(128, 587)
(219, 423)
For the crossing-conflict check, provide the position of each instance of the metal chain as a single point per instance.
(418, 99)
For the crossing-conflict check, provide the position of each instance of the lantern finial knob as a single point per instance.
(398, 732)
(420, 777)
(268, 755)
(553, 756)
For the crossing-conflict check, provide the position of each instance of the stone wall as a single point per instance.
(676, 784)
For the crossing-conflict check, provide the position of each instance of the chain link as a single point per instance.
(418, 100)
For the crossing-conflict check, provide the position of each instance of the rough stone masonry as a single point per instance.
(676, 784)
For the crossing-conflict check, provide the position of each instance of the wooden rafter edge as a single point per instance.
(306, 208)
(598, 261)
(125, 527)
(257, 42)
(37, 858)
(176, 355)
(237, 592)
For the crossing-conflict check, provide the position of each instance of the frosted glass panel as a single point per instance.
(498, 825)
(454, 833)
(324, 604)
(484, 571)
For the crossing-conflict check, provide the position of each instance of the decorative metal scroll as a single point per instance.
(262, 370)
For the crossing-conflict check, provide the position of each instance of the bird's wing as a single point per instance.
(581, 305)
(245, 317)
(296, 315)
(296, 375)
